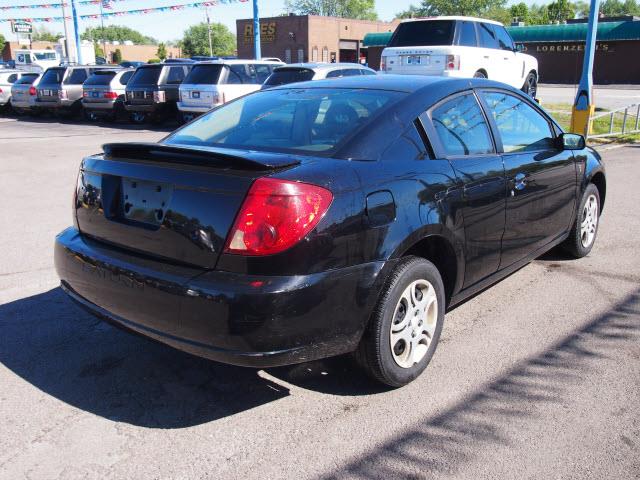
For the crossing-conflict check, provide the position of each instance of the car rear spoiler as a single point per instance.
(199, 155)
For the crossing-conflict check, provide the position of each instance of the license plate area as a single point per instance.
(46, 93)
(95, 94)
(145, 202)
(416, 60)
(195, 95)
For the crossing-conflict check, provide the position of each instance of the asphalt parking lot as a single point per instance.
(537, 377)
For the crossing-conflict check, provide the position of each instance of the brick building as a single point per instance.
(309, 38)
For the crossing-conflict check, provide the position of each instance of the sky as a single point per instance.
(169, 25)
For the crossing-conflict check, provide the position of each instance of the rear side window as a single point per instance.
(262, 72)
(175, 76)
(283, 76)
(53, 75)
(423, 33)
(522, 128)
(467, 34)
(204, 75)
(487, 36)
(146, 76)
(461, 127)
(100, 78)
(77, 77)
(241, 74)
(26, 79)
(125, 77)
(504, 39)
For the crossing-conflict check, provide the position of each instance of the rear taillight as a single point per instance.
(383, 65)
(85, 94)
(0, 90)
(110, 95)
(32, 91)
(62, 94)
(158, 97)
(453, 62)
(275, 215)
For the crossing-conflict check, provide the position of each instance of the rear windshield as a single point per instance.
(283, 76)
(146, 76)
(100, 78)
(27, 79)
(423, 33)
(53, 75)
(310, 120)
(204, 75)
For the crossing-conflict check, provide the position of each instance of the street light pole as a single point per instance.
(256, 30)
(583, 107)
(67, 50)
(209, 31)
(76, 30)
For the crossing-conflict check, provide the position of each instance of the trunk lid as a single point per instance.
(200, 95)
(172, 202)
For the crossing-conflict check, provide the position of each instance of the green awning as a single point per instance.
(575, 32)
(378, 39)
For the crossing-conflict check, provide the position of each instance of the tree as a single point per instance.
(2, 42)
(196, 40)
(561, 10)
(519, 12)
(43, 34)
(360, 9)
(98, 50)
(470, 8)
(117, 33)
(117, 56)
(162, 51)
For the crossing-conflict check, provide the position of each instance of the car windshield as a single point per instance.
(146, 76)
(45, 56)
(100, 78)
(53, 75)
(26, 79)
(309, 120)
(283, 76)
(204, 75)
(423, 33)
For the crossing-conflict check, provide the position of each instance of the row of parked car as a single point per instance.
(152, 92)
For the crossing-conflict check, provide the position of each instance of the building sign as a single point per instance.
(22, 27)
(564, 48)
(267, 33)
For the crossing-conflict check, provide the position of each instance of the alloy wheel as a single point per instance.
(414, 323)
(589, 221)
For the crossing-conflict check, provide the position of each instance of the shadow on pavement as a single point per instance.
(80, 360)
(438, 444)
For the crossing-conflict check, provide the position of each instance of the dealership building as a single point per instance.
(309, 38)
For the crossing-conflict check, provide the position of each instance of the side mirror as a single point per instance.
(571, 141)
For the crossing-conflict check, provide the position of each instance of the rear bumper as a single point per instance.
(144, 108)
(192, 109)
(54, 103)
(248, 320)
(99, 106)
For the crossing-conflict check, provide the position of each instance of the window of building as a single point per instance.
(300, 55)
(314, 54)
(325, 54)
(287, 55)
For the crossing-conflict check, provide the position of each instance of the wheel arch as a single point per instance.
(598, 179)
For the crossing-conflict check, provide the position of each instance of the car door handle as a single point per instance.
(520, 181)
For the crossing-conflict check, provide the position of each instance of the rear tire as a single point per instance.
(479, 74)
(405, 326)
(138, 118)
(530, 86)
(585, 227)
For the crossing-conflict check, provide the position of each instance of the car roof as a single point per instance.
(235, 61)
(317, 66)
(400, 83)
(451, 17)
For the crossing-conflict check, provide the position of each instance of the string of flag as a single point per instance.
(58, 4)
(110, 14)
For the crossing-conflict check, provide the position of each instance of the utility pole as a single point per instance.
(583, 107)
(209, 31)
(76, 30)
(256, 30)
(104, 42)
(67, 50)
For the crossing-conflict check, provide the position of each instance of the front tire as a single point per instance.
(585, 227)
(405, 327)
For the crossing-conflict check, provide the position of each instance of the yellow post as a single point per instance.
(581, 120)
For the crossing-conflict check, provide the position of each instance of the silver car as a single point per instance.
(213, 83)
(302, 72)
(7, 79)
(24, 94)
(60, 88)
(103, 94)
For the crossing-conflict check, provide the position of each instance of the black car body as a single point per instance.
(399, 188)
(152, 91)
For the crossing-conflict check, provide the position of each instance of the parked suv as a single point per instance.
(23, 93)
(152, 91)
(213, 83)
(459, 47)
(60, 88)
(103, 94)
(301, 72)
(7, 79)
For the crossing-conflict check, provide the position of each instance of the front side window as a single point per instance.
(504, 39)
(487, 36)
(312, 120)
(77, 77)
(461, 127)
(467, 35)
(521, 127)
